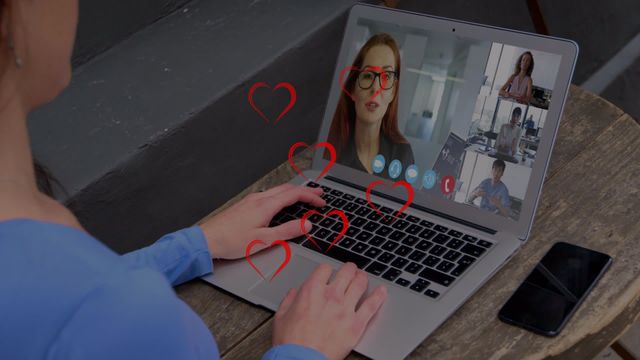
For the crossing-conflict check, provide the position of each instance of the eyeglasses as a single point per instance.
(386, 79)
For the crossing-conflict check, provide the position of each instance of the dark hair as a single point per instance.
(343, 123)
(499, 164)
(517, 111)
(530, 69)
(45, 180)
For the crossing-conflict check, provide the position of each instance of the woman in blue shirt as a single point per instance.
(67, 296)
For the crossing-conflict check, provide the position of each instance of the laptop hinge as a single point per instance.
(415, 206)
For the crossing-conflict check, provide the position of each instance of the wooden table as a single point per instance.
(591, 197)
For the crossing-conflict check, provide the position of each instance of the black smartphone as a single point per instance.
(555, 288)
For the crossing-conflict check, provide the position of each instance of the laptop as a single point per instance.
(466, 219)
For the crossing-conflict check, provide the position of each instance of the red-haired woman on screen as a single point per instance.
(365, 123)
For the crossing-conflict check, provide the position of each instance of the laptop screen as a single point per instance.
(454, 116)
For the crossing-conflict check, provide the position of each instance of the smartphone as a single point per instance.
(552, 292)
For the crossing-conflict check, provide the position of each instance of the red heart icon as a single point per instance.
(326, 145)
(340, 213)
(402, 183)
(354, 68)
(286, 85)
(287, 256)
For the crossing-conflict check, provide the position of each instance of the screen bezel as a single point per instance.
(567, 49)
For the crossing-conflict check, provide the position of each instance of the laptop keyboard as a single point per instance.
(408, 251)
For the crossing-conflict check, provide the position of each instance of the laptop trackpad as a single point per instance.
(292, 276)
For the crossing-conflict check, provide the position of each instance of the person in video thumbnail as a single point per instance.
(519, 85)
(365, 125)
(507, 140)
(494, 193)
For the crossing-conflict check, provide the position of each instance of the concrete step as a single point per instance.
(157, 131)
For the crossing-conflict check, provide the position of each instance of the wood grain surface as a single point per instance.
(591, 197)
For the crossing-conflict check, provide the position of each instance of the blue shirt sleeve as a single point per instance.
(293, 352)
(134, 315)
(180, 256)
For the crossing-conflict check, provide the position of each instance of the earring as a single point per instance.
(18, 59)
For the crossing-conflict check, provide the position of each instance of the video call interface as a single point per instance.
(460, 118)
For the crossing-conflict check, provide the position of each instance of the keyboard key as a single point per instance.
(397, 235)
(374, 216)
(339, 203)
(339, 253)
(403, 282)
(323, 210)
(438, 250)
(377, 240)
(432, 293)
(371, 226)
(400, 224)
(386, 257)
(399, 263)
(441, 239)
(328, 198)
(459, 270)
(402, 216)
(364, 236)
(455, 244)
(484, 243)
(384, 231)
(466, 260)
(427, 234)
(410, 240)
(436, 277)
(350, 216)
(347, 242)
(417, 255)
(473, 250)
(445, 266)
(363, 211)
(315, 218)
(332, 237)
(373, 252)
(440, 228)
(322, 234)
(328, 222)
(361, 201)
(359, 247)
(299, 239)
(413, 268)
(424, 245)
(452, 255)
(351, 231)
(454, 233)
(431, 261)
(403, 250)
(358, 222)
(390, 245)
(336, 192)
(348, 197)
(391, 274)
(413, 219)
(426, 223)
(351, 207)
(414, 229)
(386, 210)
(337, 226)
(469, 238)
(376, 268)
(387, 220)
(312, 184)
(326, 188)
(419, 285)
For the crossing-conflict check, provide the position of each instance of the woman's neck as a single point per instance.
(367, 137)
(16, 165)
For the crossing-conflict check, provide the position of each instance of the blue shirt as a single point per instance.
(65, 295)
(500, 190)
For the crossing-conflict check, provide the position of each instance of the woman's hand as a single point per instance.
(229, 232)
(324, 315)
